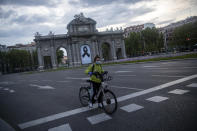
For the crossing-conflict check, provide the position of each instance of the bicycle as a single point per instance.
(108, 98)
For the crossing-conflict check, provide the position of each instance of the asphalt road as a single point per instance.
(49, 101)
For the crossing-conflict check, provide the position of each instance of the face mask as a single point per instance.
(98, 62)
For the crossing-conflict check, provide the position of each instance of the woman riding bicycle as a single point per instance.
(96, 81)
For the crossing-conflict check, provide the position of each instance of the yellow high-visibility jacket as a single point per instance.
(94, 68)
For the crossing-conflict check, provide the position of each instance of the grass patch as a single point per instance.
(124, 62)
(156, 59)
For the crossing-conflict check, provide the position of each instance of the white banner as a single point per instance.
(85, 54)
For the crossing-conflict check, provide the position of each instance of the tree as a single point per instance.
(184, 37)
(148, 40)
(17, 60)
(60, 55)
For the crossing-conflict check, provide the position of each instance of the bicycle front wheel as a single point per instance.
(109, 102)
(84, 96)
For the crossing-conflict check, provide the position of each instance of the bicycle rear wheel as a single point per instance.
(109, 102)
(84, 96)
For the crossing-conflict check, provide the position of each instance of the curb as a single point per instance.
(4, 126)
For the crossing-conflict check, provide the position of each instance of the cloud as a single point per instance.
(20, 19)
(166, 22)
(5, 14)
(29, 2)
(102, 2)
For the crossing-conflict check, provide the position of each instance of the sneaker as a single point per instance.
(90, 105)
(100, 105)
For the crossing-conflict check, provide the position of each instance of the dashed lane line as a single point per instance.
(42, 87)
(84, 109)
(190, 67)
(123, 71)
(126, 75)
(73, 78)
(166, 76)
(120, 87)
(150, 66)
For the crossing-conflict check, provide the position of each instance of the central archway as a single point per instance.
(62, 57)
(106, 51)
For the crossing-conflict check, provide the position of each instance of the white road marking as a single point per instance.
(126, 75)
(157, 68)
(87, 78)
(166, 76)
(123, 71)
(42, 87)
(192, 85)
(12, 91)
(165, 63)
(47, 80)
(190, 67)
(131, 107)
(119, 99)
(7, 82)
(63, 81)
(179, 91)
(156, 88)
(150, 66)
(33, 80)
(120, 87)
(55, 117)
(65, 127)
(157, 99)
(98, 118)
(169, 63)
(6, 89)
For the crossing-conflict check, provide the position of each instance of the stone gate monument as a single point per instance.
(82, 43)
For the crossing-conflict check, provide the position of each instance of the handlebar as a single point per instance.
(103, 76)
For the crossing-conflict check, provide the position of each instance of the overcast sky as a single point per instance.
(20, 19)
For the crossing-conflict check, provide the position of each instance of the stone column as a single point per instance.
(113, 50)
(74, 54)
(40, 58)
(69, 53)
(53, 55)
(100, 49)
(94, 49)
(78, 54)
(123, 49)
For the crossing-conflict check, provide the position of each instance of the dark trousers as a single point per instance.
(96, 87)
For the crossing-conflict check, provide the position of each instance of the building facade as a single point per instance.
(167, 31)
(28, 47)
(137, 28)
(82, 43)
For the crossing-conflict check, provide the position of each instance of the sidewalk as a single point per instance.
(5, 126)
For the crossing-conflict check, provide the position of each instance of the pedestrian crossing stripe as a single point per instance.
(98, 118)
(192, 85)
(157, 99)
(131, 108)
(65, 127)
(178, 91)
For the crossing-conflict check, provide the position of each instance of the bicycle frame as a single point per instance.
(101, 89)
